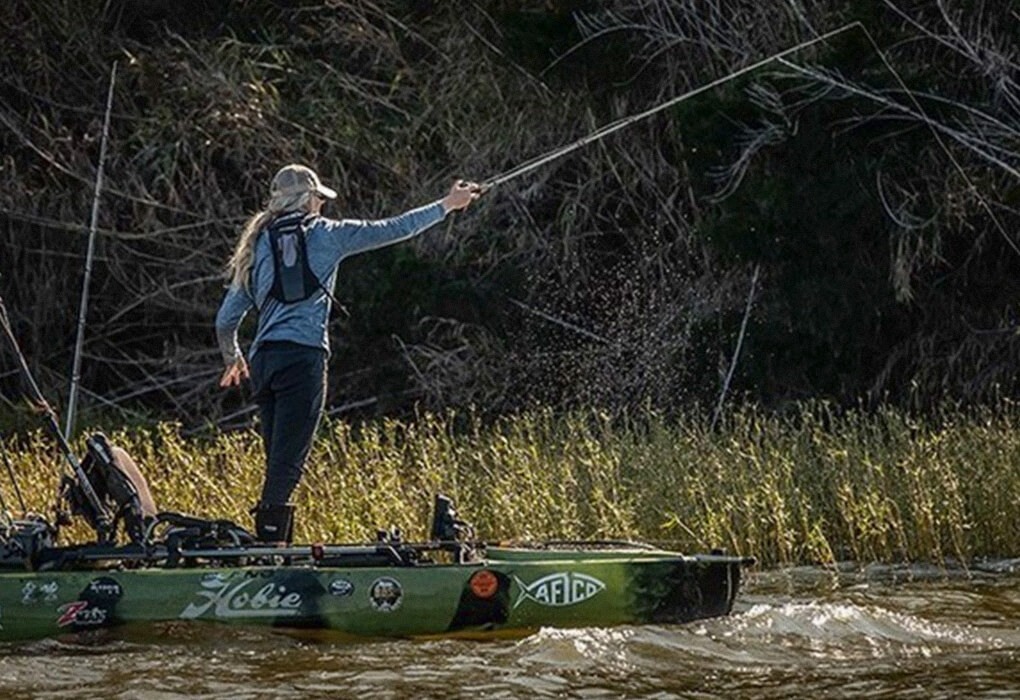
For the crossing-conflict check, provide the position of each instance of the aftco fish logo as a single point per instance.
(559, 590)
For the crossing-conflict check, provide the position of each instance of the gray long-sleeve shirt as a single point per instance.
(327, 242)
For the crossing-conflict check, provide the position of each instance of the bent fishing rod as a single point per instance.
(50, 419)
(623, 123)
(607, 129)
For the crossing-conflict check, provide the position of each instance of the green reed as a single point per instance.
(811, 486)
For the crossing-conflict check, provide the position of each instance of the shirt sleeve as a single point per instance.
(236, 304)
(352, 236)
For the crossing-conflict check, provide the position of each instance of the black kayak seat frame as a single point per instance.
(118, 483)
(123, 490)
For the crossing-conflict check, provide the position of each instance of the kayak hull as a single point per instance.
(509, 592)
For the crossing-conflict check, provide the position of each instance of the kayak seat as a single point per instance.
(120, 487)
(124, 493)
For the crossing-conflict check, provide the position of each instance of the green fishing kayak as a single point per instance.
(144, 566)
(507, 591)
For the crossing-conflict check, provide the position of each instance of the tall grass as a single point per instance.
(809, 487)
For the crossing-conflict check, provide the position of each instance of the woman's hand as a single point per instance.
(234, 374)
(462, 194)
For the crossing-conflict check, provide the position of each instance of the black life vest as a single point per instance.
(293, 279)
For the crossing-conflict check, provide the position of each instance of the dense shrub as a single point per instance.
(618, 276)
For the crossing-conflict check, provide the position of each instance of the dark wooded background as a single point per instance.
(615, 277)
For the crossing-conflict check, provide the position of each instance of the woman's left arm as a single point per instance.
(353, 236)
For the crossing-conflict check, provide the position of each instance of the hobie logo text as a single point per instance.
(559, 590)
(232, 600)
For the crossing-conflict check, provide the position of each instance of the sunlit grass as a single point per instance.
(812, 486)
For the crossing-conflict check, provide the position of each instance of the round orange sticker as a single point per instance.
(483, 584)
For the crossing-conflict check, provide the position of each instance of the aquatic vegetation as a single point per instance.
(812, 485)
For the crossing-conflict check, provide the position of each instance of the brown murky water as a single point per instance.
(884, 632)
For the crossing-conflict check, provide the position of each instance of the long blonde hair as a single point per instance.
(238, 267)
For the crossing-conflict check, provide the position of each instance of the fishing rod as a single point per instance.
(72, 398)
(50, 420)
(612, 127)
(623, 123)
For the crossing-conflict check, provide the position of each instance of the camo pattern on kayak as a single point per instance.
(510, 591)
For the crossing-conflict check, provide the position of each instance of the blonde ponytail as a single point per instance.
(238, 267)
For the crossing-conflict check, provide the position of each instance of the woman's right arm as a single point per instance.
(236, 304)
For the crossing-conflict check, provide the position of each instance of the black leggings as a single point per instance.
(290, 389)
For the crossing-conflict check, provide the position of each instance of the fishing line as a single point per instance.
(612, 127)
(931, 127)
(736, 351)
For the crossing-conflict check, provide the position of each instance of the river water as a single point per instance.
(909, 632)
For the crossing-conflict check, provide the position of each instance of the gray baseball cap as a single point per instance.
(295, 179)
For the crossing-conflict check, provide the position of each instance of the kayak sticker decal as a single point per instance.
(386, 594)
(80, 612)
(482, 613)
(106, 587)
(94, 606)
(237, 599)
(45, 592)
(341, 588)
(559, 590)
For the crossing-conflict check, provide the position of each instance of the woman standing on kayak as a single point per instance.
(285, 265)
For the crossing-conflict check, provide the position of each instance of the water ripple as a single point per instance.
(803, 634)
